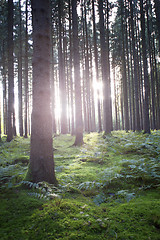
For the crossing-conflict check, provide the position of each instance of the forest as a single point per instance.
(80, 119)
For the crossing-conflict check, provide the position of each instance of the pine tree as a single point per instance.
(41, 166)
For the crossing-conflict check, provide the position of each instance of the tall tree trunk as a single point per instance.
(41, 166)
(62, 80)
(20, 73)
(87, 72)
(92, 111)
(132, 83)
(4, 75)
(70, 68)
(157, 10)
(26, 74)
(115, 98)
(10, 72)
(145, 67)
(150, 50)
(78, 101)
(138, 128)
(124, 76)
(105, 73)
(53, 85)
(96, 65)
(157, 86)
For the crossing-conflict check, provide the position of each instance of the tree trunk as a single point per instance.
(78, 101)
(70, 69)
(105, 73)
(20, 73)
(41, 166)
(124, 76)
(10, 72)
(4, 75)
(26, 75)
(157, 10)
(96, 65)
(145, 67)
(138, 128)
(62, 80)
(151, 61)
(87, 77)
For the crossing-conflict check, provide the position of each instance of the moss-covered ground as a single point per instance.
(109, 188)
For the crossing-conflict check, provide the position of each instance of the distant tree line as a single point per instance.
(94, 43)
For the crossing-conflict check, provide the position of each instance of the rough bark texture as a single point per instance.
(78, 102)
(41, 157)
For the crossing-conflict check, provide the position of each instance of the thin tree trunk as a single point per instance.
(150, 50)
(70, 68)
(138, 128)
(157, 86)
(157, 10)
(78, 101)
(4, 90)
(145, 67)
(62, 80)
(105, 73)
(87, 73)
(10, 72)
(26, 75)
(115, 99)
(133, 86)
(124, 76)
(20, 73)
(92, 112)
(96, 65)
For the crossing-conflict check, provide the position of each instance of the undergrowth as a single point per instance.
(108, 189)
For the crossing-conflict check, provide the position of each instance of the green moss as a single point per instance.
(109, 189)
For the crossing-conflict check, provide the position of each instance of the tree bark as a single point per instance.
(26, 74)
(10, 72)
(78, 101)
(62, 79)
(138, 128)
(157, 10)
(41, 166)
(145, 67)
(124, 75)
(20, 74)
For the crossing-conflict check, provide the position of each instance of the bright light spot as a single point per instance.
(97, 85)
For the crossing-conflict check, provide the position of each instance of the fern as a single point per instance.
(43, 190)
(89, 185)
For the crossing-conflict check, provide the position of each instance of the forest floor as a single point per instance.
(108, 189)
